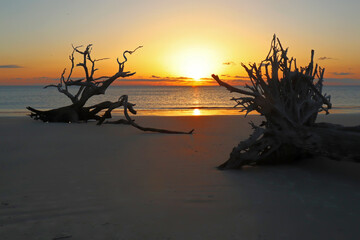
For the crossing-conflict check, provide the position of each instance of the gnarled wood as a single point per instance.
(87, 88)
(290, 101)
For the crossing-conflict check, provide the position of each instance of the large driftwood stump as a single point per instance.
(290, 101)
(88, 87)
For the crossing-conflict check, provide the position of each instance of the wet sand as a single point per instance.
(82, 181)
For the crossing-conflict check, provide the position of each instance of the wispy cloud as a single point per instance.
(10, 66)
(237, 82)
(229, 63)
(169, 78)
(154, 76)
(155, 81)
(342, 73)
(234, 77)
(243, 77)
(326, 58)
(180, 78)
(141, 80)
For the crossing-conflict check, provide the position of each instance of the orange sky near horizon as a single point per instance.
(184, 41)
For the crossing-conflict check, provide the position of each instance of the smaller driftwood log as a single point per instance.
(290, 99)
(88, 87)
(123, 101)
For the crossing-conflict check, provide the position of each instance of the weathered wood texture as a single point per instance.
(290, 99)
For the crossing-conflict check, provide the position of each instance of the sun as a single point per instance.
(196, 66)
(196, 112)
(194, 62)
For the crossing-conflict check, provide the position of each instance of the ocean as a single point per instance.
(158, 100)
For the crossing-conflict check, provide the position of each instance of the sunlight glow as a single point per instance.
(194, 62)
(196, 67)
(196, 112)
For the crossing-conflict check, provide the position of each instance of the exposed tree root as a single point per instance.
(290, 101)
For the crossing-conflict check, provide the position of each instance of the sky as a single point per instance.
(184, 42)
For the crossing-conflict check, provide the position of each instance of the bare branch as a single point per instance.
(231, 88)
(87, 88)
(121, 64)
(290, 104)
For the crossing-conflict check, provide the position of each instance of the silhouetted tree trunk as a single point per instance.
(290, 101)
(88, 87)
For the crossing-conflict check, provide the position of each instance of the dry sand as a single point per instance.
(82, 181)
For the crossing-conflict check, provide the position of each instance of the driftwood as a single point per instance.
(129, 106)
(88, 87)
(290, 101)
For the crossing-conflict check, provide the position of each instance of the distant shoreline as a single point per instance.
(158, 101)
(185, 112)
(121, 84)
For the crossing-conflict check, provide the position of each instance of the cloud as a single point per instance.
(229, 63)
(236, 77)
(179, 78)
(181, 81)
(342, 73)
(10, 66)
(326, 58)
(159, 78)
(154, 76)
(237, 82)
(243, 77)
(141, 80)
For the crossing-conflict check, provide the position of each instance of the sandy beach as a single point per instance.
(82, 181)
